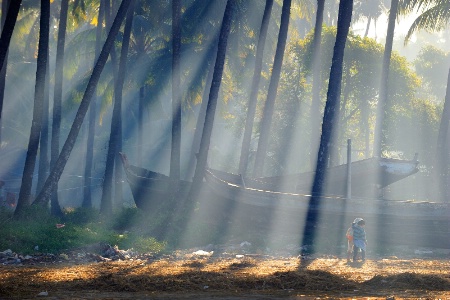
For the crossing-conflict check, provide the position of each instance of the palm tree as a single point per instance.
(55, 174)
(87, 193)
(315, 104)
(272, 92)
(57, 96)
(24, 199)
(434, 15)
(383, 94)
(370, 10)
(8, 28)
(212, 101)
(176, 99)
(114, 146)
(442, 159)
(329, 118)
(106, 203)
(5, 7)
(251, 110)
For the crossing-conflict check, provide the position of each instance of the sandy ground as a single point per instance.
(229, 277)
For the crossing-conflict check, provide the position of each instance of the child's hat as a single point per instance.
(357, 220)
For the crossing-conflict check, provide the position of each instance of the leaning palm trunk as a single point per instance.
(8, 28)
(67, 148)
(264, 131)
(253, 99)
(212, 101)
(116, 123)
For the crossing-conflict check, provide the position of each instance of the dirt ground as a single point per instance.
(228, 277)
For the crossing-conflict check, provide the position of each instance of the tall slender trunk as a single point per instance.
(57, 97)
(253, 98)
(264, 132)
(383, 94)
(52, 180)
(87, 190)
(317, 82)
(24, 199)
(8, 28)
(369, 19)
(106, 202)
(114, 146)
(329, 119)
(202, 112)
(44, 139)
(176, 99)
(140, 124)
(212, 101)
(5, 6)
(442, 160)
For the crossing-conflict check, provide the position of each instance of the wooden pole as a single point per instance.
(349, 169)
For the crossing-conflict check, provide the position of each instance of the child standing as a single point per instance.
(349, 236)
(359, 239)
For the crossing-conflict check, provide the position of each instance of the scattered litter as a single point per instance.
(203, 253)
(43, 294)
(6, 253)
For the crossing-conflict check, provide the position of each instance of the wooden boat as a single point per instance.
(150, 188)
(395, 222)
(389, 223)
(366, 176)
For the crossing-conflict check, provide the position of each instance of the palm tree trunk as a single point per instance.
(114, 146)
(253, 99)
(67, 148)
(44, 139)
(369, 19)
(87, 190)
(212, 101)
(329, 118)
(316, 84)
(201, 114)
(442, 160)
(264, 132)
(140, 124)
(106, 204)
(383, 95)
(8, 28)
(5, 6)
(57, 97)
(24, 199)
(176, 99)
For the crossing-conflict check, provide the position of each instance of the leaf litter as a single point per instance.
(184, 275)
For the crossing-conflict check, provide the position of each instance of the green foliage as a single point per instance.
(432, 66)
(82, 227)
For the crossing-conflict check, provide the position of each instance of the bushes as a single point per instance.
(37, 230)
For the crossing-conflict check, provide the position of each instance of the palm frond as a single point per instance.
(408, 6)
(432, 20)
